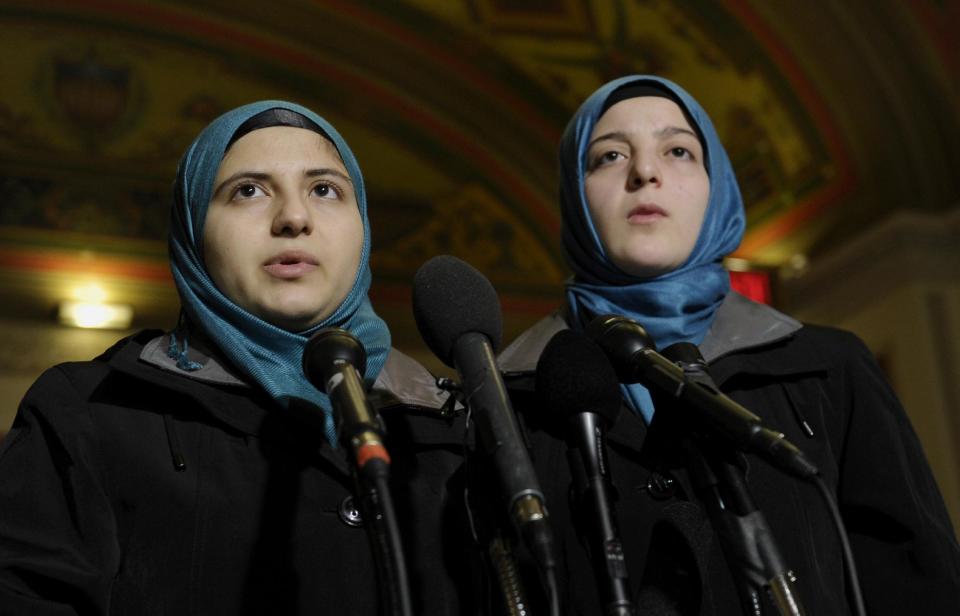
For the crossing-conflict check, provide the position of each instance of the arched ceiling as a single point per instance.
(833, 114)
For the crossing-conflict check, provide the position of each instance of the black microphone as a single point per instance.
(635, 358)
(576, 381)
(687, 356)
(458, 314)
(333, 361)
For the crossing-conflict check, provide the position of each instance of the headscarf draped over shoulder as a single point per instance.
(676, 306)
(269, 355)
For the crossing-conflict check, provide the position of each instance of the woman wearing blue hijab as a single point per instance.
(270, 243)
(196, 471)
(650, 207)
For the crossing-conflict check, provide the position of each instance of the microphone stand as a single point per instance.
(716, 470)
(377, 512)
(592, 494)
(745, 536)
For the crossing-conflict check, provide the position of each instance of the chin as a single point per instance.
(643, 267)
(293, 321)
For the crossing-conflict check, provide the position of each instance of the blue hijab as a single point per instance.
(678, 306)
(269, 355)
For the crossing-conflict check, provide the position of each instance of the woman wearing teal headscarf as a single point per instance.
(291, 257)
(196, 471)
(650, 207)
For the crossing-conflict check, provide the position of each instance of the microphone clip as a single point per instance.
(452, 387)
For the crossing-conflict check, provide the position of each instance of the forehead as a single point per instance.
(288, 145)
(642, 112)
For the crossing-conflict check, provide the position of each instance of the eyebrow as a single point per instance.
(258, 175)
(667, 131)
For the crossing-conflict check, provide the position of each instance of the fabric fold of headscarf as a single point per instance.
(269, 355)
(679, 305)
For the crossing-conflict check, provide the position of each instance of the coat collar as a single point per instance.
(402, 382)
(740, 325)
(222, 395)
(743, 324)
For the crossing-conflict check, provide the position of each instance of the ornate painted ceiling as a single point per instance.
(834, 114)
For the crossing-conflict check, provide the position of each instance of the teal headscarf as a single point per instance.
(270, 356)
(678, 306)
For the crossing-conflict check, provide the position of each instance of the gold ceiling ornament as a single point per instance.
(477, 226)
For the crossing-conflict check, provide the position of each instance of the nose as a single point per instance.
(644, 170)
(292, 218)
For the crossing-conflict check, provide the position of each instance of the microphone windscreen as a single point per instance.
(451, 298)
(325, 348)
(622, 339)
(575, 376)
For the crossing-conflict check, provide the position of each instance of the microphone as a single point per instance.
(458, 314)
(687, 357)
(576, 381)
(333, 361)
(635, 358)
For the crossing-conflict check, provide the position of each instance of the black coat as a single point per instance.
(862, 441)
(96, 519)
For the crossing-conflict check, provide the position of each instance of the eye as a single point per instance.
(327, 190)
(605, 158)
(247, 191)
(681, 153)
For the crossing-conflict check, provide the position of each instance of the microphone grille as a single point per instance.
(575, 376)
(451, 298)
(325, 348)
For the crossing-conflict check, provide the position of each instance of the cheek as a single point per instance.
(696, 195)
(355, 247)
(598, 205)
(351, 233)
(218, 251)
(343, 242)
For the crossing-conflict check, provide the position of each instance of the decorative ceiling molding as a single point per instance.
(454, 109)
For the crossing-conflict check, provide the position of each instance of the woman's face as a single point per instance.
(646, 185)
(283, 233)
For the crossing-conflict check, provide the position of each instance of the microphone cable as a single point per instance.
(851, 568)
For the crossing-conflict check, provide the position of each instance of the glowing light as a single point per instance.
(799, 262)
(95, 315)
(90, 293)
(735, 264)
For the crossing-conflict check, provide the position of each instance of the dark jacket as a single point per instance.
(96, 518)
(822, 388)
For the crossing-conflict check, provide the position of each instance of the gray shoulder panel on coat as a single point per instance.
(404, 381)
(524, 352)
(155, 354)
(740, 324)
(744, 324)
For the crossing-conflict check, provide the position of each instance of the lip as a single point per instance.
(646, 213)
(290, 264)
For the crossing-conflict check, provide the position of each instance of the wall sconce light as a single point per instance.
(95, 315)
